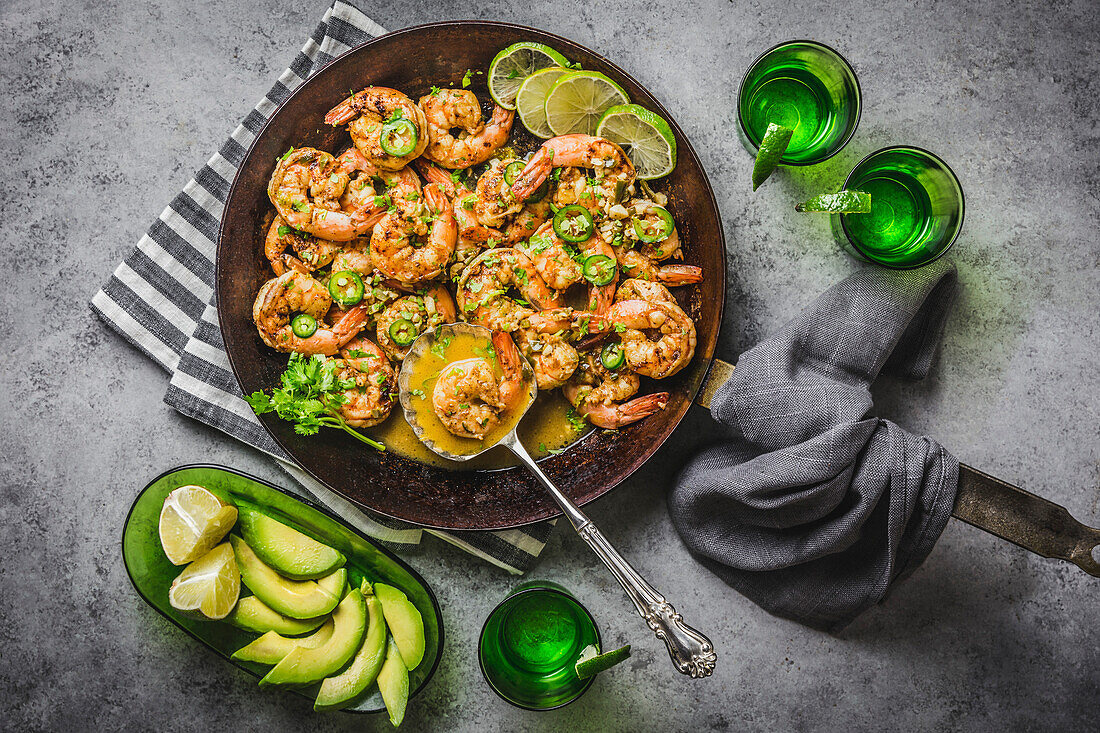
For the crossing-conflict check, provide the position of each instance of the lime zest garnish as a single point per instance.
(841, 202)
(775, 142)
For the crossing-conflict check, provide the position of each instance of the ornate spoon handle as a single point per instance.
(691, 652)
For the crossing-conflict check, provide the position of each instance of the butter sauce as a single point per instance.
(548, 425)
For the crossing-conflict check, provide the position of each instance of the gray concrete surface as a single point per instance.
(109, 106)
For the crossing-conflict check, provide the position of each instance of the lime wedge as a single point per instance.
(514, 64)
(772, 147)
(592, 662)
(842, 202)
(210, 585)
(644, 135)
(531, 99)
(192, 521)
(578, 100)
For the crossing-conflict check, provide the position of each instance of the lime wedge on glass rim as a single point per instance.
(644, 135)
(775, 142)
(514, 64)
(579, 99)
(592, 662)
(841, 202)
(531, 99)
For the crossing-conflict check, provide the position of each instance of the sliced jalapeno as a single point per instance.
(346, 287)
(512, 171)
(403, 332)
(573, 223)
(399, 137)
(612, 356)
(599, 270)
(303, 325)
(650, 232)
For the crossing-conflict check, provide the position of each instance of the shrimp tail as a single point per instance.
(617, 416)
(680, 275)
(345, 111)
(351, 323)
(511, 363)
(436, 175)
(534, 173)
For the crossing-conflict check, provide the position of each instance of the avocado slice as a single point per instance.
(405, 622)
(252, 614)
(271, 648)
(305, 666)
(343, 689)
(294, 598)
(393, 683)
(287, 550)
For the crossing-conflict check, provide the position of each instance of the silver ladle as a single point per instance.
(691, 652)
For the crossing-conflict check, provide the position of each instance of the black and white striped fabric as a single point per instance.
(161, 299)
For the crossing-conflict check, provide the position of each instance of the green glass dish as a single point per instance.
(917, 209)
(530, 644)
(807, 87)
(152, 573)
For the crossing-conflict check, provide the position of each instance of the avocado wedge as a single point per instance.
(393, 683)
(252, 614)
(305, 666)
(271, 648)
(343, 689)
(294, 598)
(405, 622)
(287, 550)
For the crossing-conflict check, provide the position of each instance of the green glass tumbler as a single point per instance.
(530, 644)
(807, 87)
(916, 209)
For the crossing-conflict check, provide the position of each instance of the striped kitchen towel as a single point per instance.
(161, 299)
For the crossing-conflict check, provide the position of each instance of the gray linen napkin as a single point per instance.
(813, 509)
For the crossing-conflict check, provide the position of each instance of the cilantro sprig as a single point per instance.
(310, 396)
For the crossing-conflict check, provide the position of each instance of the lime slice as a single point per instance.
(842, 202)
(531, 99)
(514, 64)
(192, 521)
(592, 662)
(209, 585)
(644, 135)
(578, 100)
(772, 147)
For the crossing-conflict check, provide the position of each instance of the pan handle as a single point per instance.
(988, 503)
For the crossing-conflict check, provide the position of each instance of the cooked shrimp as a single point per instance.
(295, 292)
(473, 236)
(546, 339)
(527, 221)
(395, 251)
(495, 201)
(486, 283)
(634, 264)
(674, 346)
(554, 258)
(645, 211)
(601, 395)
(409, 316)
(379, 118)
(312, 252)
(467, 397)
(369, 399)
(449, 109)
(613, 171)
(308, 199)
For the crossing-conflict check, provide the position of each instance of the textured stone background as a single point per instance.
(109, 106)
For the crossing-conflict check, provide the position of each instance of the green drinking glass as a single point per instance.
(530, 644)
(807, 87)
(916, 209)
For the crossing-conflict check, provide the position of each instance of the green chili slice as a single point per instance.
(346, 287)
(612, 356)
(399, 137)
(650, 232)
(512, 171)
(403, 332)
(303, 325)
(574, 223)
(599, 269)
